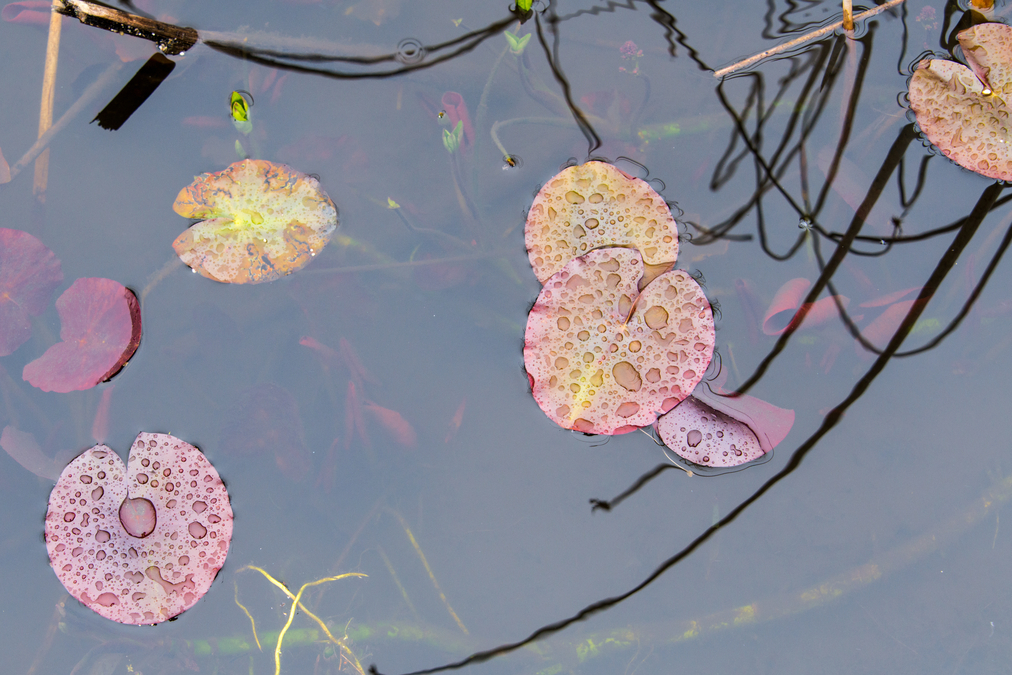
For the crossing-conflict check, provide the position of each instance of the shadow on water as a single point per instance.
(773, 127)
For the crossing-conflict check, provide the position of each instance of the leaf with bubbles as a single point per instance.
(604, 357)
(595, 205)
(263, 221)
(964, 110)
(139, 543)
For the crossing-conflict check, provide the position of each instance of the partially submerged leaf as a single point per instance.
(705, 437)
(142, 542)
(593, 205)
(964, 111)
(100, 329)
(604, 358)
(264, 220)
(29, 273)
(768, 422)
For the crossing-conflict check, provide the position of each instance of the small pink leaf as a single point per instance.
(29, 273)
(139, 543)
(701, 435)
(100, 330)
(769, 423)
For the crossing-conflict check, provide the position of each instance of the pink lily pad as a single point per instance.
(593, 205)
(29, 273)
(705, 437)
(264, 220)
(100, 330)
(962, 110)
(139, 543)
(605, 358)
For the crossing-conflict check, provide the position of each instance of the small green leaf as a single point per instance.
(240, 109)
(524, 5)
(517, 44)
(451, 139)
(391, 204)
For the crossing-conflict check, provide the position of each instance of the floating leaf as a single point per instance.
(593, 205)
(100, 328)
(265, 220)
(142, 542)
(769, 423)
(604, 358)
(705, 437)
(963, 111)
(29, 273)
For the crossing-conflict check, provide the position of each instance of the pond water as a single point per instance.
(882, 550)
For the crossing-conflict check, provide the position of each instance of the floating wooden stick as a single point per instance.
(825, 30)
(171, 39)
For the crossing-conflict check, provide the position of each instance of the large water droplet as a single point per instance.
(138, 517)
(693, 438)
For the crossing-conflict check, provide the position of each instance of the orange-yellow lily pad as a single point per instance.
(264, 220)
(965, 111)
(605, 358)
(595, 205)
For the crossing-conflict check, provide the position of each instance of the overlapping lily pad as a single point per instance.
(604, 358)
(706, 437)
(964, 110)
(100, 330)
(29, 273)
(142, 542)
(264, 220)
(593, 205)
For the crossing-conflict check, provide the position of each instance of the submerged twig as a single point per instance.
(825, 30)
(46, 107)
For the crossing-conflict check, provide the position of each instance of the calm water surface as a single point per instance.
(882, 550)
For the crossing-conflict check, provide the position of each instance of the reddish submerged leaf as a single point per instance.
(100, 330)
(142, 542)
(29, 273)
(783, 311)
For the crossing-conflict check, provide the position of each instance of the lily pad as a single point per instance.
(100, 330)
(706, 437)
(964, 111)
(29, 273)
(264, 220)
(142, 542)
(604, 358)
(595, 205)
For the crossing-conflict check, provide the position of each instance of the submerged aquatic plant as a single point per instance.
(29, 273)
(964, 110)
(264, 220)
(142, 542)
